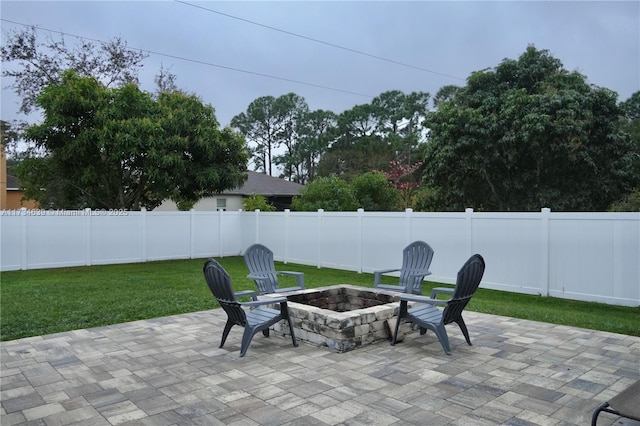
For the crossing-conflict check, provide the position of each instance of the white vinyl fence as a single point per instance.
(580, 256)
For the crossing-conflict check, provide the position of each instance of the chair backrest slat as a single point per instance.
(416, 256)
(219, 283)
(259, 261)
(467, 283)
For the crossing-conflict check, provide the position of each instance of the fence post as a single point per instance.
(143, 234)
(407, 225)
(544, 269)
(240, 234)
(220, 239)
(87, 236)
(24, 237)
(286, 235)
(360, 254)
(319, 244)
(469, 218)
(192, 232)
(257, 216)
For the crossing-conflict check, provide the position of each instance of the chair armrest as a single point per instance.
(391, 287)
(299, 276)
(253, 294)
(270, 301)
(418, 275)
(421, 274)
(256, 276)
(377, 280)
(446, 290)
(421, 299)
(287, 289)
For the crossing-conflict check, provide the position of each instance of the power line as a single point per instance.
(326, 43)
(196, 61)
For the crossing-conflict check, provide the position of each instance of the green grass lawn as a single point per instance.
(45, 301)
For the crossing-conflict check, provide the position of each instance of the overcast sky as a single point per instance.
(447, 40)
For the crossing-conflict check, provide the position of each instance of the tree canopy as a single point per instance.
(525, 135)
(261, 125)
(328, 193)
(315, 133)
(374, 192)
(257, 202)
(371, 191)
(121, 148)
(42, 63)
(369, 136)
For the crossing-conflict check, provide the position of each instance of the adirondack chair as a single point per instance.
(416, 259)
(257, 319)
(625, 404)
(427, 316)
(259, 261)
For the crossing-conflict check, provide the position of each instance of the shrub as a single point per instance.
(257, 202)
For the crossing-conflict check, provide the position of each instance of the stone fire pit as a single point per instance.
(341, 317)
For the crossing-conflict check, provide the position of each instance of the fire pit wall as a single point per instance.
(341, 317)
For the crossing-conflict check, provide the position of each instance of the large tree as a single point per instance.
(33, 64)
(525, 135)
(10, 136)
(291, 109)
(630, 123)
(358, 146)
(316, 130)
(631, 118)
(122, 148)
(260, 125)
(399, 116)
(269, 123)
(369, 136)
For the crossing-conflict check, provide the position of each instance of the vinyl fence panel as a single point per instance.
(115, 239)
(581, 256)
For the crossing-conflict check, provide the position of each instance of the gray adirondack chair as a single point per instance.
(257, 319)
(427, 316)
(416, 259)
(625, 404)
(259, 261)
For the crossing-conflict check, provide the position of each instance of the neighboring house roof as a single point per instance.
(266, 185)
(13, 183)
(260, 183)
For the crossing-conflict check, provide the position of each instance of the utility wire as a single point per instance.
(326, 43)
(196, 61)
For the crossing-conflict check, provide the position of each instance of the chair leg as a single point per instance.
(596, 413)
(225, 333)
(377, 279)
(293, 336)
(441, 333)
(248, 334)
(463, 327)
(265, 332)
(395, 331)
(284, 314)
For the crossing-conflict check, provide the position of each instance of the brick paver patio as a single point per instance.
(169, 371)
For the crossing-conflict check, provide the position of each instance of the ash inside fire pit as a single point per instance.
(343, 299)
(341, 317)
